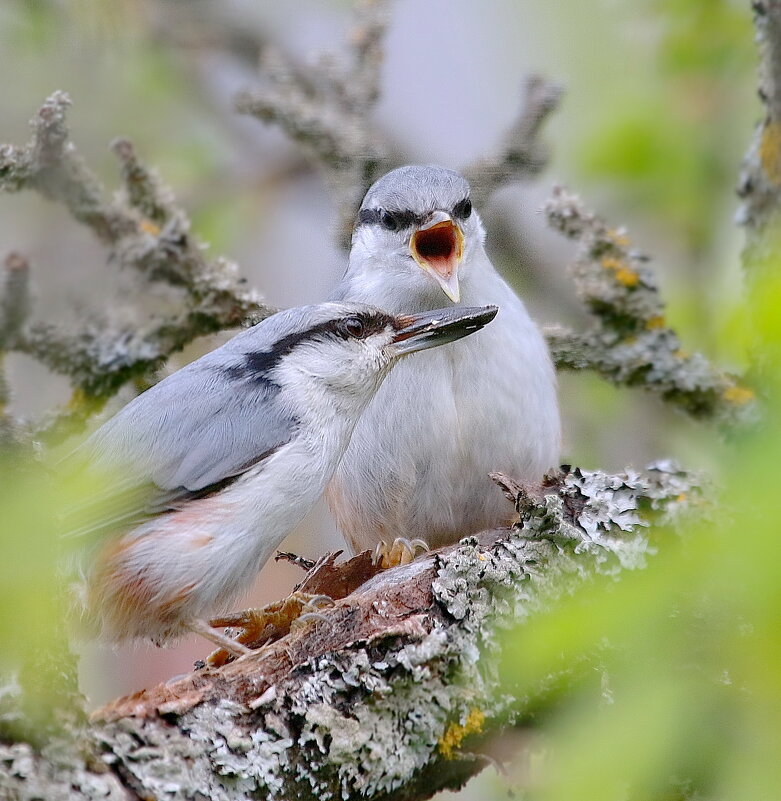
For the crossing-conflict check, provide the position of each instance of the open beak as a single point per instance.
(438, 247)
(427, 330)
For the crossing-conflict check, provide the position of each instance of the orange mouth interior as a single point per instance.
(440, 247)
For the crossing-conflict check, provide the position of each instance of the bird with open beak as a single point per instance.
(418, 463)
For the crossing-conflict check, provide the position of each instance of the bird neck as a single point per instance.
(402, 288)
(327, 409)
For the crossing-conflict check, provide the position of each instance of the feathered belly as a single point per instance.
(154, 579)
(192, 562)
(419, 459)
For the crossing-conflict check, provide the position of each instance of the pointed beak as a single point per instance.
(438, 247)
(430, 329)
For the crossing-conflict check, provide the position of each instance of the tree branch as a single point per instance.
(145, 231)
(521, 154)
(14, 309)
(630, 342)
(326, 109)
(50, 165)
(392, 694)
(760, 179)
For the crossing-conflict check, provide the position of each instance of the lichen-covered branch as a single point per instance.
(760, 178)
(14, 299)
(50, 165)
(14, 308)
(391, 693)
(521, 153)
(630, 342)
(326, 108)
(144, 230)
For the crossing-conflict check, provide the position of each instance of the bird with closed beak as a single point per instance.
(418, 462)
(230, 453)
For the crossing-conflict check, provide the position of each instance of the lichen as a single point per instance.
(770, 152)
(368, 718)
(455, 733)
(629, 342)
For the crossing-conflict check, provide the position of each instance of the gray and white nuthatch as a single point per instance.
(418, 462)
(233, 450)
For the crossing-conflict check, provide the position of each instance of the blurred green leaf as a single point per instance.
(39, 570)
(675, 136)
(689, 649)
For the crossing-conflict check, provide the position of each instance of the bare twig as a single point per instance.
(383, 696)
(360, 83)
(50, 165)
(144, 230)
(326, 109)
(630, 342)
(521, 155)
(14, 299)
(14, 309)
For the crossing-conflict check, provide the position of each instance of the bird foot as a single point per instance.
(273, 621)
(402, 552)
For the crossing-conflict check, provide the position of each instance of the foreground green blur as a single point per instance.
(52, 515)
(674, 689)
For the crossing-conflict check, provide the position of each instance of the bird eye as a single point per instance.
(463, 209)
(388, 220)
(352, 327)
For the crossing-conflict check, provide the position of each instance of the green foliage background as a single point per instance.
(676, 687)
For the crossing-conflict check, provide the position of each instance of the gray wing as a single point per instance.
(184, 437)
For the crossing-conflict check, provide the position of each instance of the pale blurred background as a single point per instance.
(659, 107)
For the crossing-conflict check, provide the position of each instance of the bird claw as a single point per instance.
(315, 602)
(273, 621)
(302, 621)
(402, 552)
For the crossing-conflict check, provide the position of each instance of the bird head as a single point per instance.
(346, 349)
(416, 227)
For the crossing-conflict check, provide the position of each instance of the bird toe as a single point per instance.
(271, 622)
(401, 552)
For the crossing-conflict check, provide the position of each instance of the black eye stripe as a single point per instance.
(398, 220)
(361, 326)
(402, 218)
(369, 216)
(257, 364)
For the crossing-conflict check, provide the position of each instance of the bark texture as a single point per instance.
(392, 694)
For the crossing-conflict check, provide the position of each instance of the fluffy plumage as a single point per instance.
(219, 461)
(418, 462)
